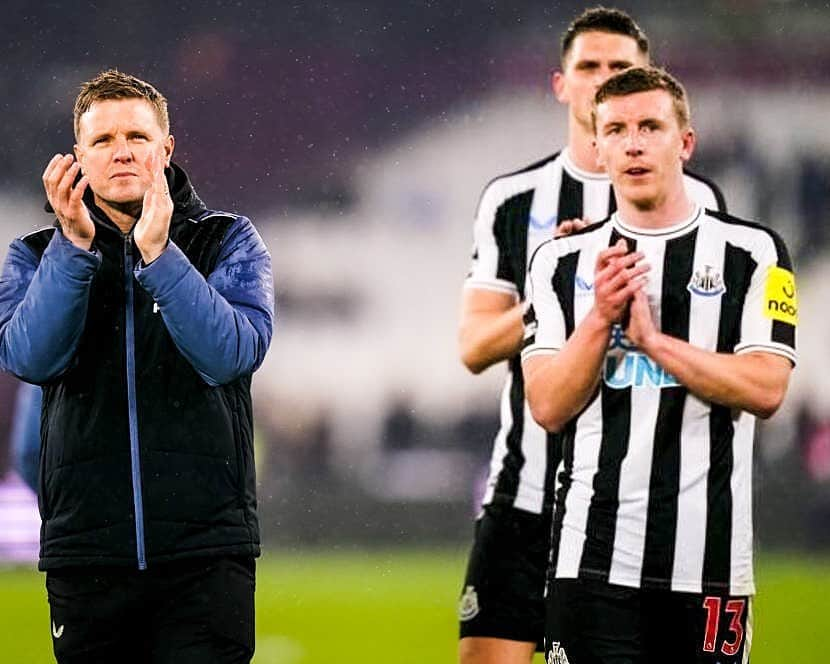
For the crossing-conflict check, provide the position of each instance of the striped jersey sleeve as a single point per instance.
(545, 329)
(491, 267)
(770, 313)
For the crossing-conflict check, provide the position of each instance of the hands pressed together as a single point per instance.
(619, 282)
(619, 285)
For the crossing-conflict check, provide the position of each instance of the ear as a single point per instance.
(169, 144)
(79, 155)
(557, 84)
(689, 140)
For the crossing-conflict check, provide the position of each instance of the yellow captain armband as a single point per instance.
(780, 300)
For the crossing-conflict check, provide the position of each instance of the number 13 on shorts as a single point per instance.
(726, 624)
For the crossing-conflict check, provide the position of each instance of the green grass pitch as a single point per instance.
(399, 607)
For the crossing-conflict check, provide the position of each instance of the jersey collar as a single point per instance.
(577, 172)
(679, 228)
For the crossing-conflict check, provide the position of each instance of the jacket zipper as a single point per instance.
(135, 460)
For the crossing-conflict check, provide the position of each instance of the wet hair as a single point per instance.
(644, 79)
(113, 84)
(603, 19)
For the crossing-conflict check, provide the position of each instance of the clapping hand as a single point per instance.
(153, 227)
(66, 199)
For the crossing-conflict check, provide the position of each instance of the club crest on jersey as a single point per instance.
(468, 606)
(557, 655)
(707, 282)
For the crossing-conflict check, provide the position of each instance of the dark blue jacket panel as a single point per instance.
(147, 431)
(222, 325)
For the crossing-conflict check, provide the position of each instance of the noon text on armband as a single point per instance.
(625, 366)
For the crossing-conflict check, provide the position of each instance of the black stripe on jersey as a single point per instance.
(563, 281)
(531, 167)
(781, 332)
(563, 285)
(664, 486)
(553, 456)
(529, 317)
(514, 459)
(721, 201)
(632, 246)
(615, 237)
(601, 526)
(738, 268)
(570, 199)
(568, 436)
(510, 230)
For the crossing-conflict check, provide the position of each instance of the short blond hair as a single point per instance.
(113, 84)
(644, 79)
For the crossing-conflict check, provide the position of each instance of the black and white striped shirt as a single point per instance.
(518, 212)
(656, 487)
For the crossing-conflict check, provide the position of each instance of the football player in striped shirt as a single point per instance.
(654, 340)
(502, 607)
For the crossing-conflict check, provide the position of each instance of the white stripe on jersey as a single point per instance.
(579, 495)
(694, 459)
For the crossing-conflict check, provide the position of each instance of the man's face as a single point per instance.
(642, 146)
(116, 140)
(593, 58)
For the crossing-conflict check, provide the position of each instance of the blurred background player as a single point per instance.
(502, 610)
(25, 433)
(655, 375)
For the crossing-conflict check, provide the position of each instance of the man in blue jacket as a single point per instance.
(142, 314)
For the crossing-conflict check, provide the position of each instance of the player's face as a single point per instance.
(642, 146)
(594, 57)
(115, 139)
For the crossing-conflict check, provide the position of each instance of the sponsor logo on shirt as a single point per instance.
(780, 299)
(583, 287)
(542, 224)
(625, 366)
